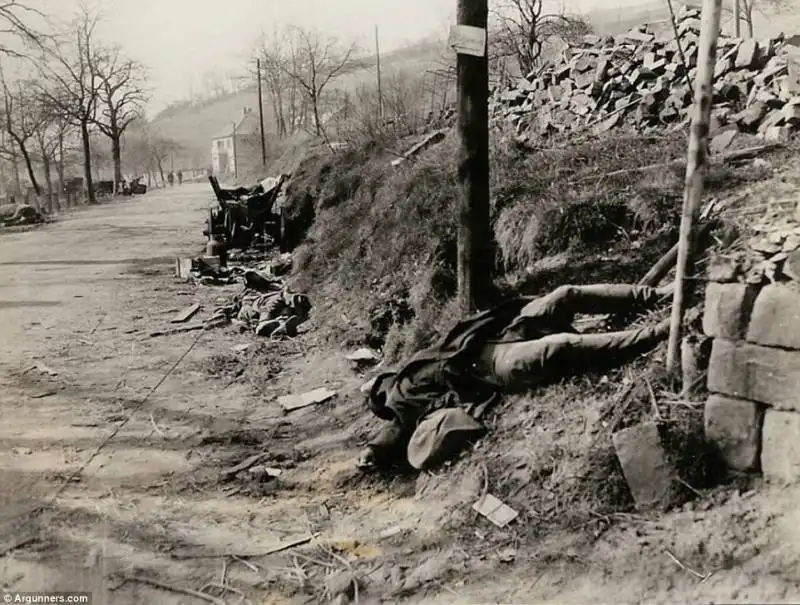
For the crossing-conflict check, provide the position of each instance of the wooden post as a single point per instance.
(380, 91)
(737, 19)
(261, 116)
(235, 163)
(695, 171)
(475, 260)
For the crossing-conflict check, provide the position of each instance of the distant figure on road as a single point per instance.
(171, 179)
(180, 178)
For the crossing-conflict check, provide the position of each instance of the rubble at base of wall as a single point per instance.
(640, 80)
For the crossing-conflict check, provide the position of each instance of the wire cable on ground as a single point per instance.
(78, 471)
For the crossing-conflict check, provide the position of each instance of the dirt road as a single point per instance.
(78, 301)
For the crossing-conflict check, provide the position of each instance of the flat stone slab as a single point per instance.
(763, 374)
(775, 320)
(647, 471)
(780, 447)
(727, 309)
(734, 427)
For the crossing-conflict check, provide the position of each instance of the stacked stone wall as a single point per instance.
(753, 411)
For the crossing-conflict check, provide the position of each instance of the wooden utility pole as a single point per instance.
(380, 91)
(475, 257)
(235, 161)
(695, 171)
(737, 19)
(261, 117)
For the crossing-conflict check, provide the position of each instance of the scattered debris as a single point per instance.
(363, 358)
(44, 394)
(241, 348)
(696, 574)
(391, 532)
(184, 268)
(186, 314)
(242, 466)
(176, 589)
(495, 510)
(296, 402)
(261, 471)
(12, 215)
(271, 551)
(169, 331)
(17, 543)
(429, 140)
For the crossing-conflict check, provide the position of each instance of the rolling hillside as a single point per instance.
(193, 126)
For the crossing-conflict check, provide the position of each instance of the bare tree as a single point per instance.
(161, 148)
(749, 8)
(121, 99)
(522, 28)
(22, 120)
(14, 24)
(317, 61)
(74, 87)
(50, 138)
(10, 153)
(273, 68)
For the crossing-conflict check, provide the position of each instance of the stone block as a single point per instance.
(775, 321)
(791, 268)
(762, 374)
(647, 471)
(727, 309)
(723, 140)
(780, 446)
(747, 55)
(734, 427)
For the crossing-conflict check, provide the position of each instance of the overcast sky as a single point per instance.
(181, 40)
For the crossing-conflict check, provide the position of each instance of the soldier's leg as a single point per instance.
(565, 301)
(522, 365)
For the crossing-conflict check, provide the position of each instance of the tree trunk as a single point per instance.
(60, 166)
(750, 26)
(29, 167)
(17, 178)
(315, 108)
(48, 179)
(87, 162)
(116, 154)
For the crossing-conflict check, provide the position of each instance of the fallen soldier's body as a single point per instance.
(435, 400)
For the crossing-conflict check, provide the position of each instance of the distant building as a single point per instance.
(228, 145)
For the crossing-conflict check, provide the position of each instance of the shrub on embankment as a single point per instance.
(378, 249)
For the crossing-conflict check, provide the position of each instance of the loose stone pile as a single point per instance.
(639, 80)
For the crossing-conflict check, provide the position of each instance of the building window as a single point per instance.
(220, 143)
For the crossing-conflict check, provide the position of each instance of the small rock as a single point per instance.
(93, 557)
(723, 140)
(764, 246)
(645, 465)
(341, 584)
